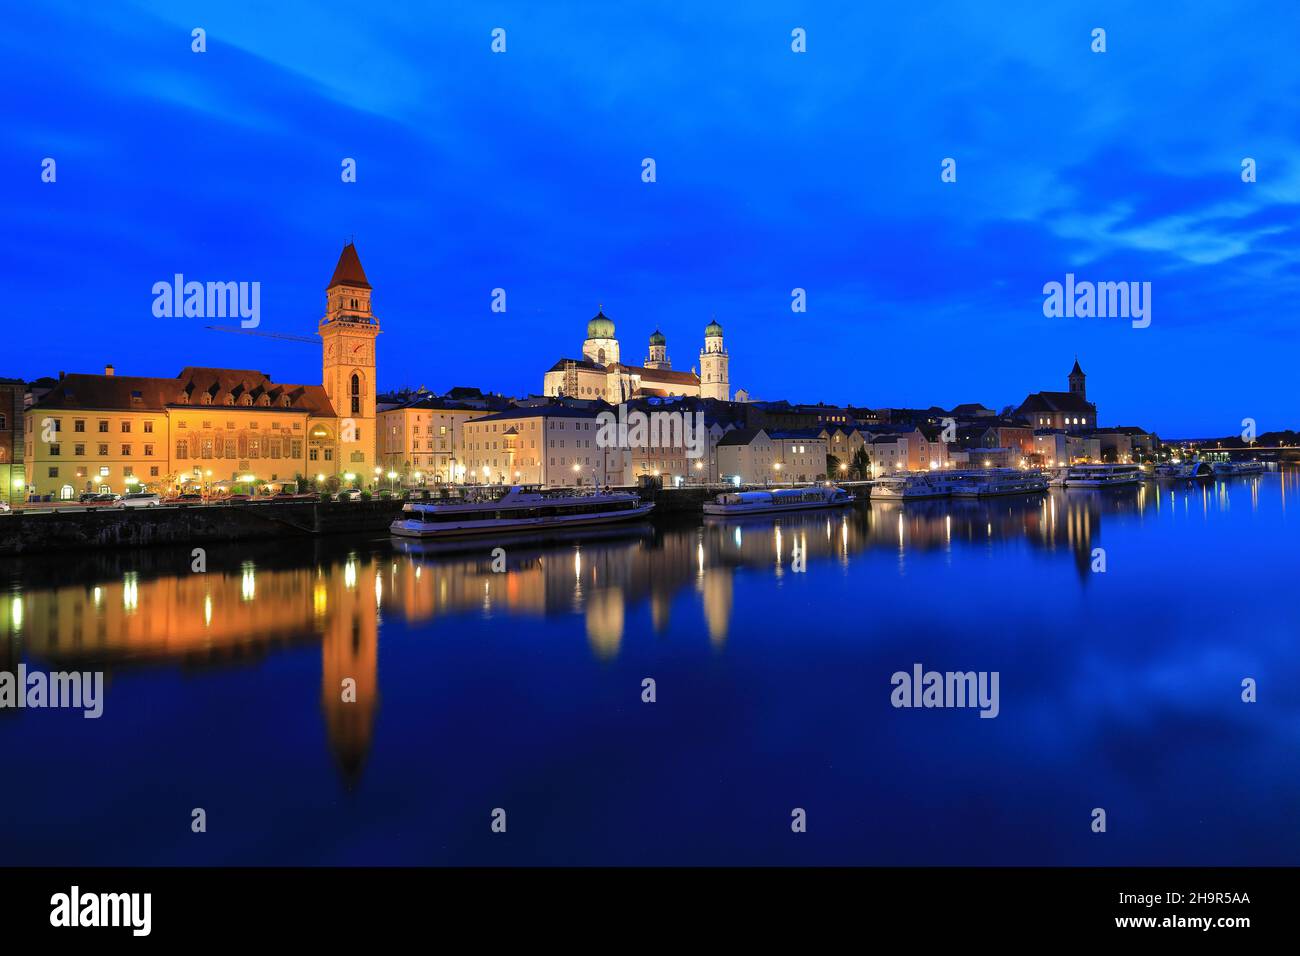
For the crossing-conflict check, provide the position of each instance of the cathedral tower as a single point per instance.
(601, 347)
(715, 380)
(1077, 381)
(348, 332)
(658, 352)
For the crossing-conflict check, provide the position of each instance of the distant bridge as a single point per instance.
(1288, 452)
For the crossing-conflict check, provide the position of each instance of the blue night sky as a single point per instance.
(775, 171)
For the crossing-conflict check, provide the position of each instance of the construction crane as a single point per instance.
(266, 335)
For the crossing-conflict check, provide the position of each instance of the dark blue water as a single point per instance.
(522, 690)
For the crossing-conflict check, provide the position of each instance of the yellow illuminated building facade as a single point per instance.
(548, 445)
(215, 428)
(425, 442)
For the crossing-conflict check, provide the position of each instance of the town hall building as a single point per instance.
(214, 428)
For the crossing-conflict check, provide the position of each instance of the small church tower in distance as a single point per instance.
(1078, 380)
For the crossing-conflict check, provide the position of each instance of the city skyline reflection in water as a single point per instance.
(530, 677)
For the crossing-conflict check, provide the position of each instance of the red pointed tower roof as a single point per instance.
(349, 271)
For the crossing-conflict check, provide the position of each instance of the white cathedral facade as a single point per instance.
(601, 372)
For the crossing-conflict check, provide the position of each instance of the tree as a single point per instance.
(861, 464)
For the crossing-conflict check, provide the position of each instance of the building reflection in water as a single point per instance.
(136, 611)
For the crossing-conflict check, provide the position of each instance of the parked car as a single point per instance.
(186, 499)
(293, 496)
(349, 494)
(140, 499)
(87, 496)
(106, 498)
(236, 499)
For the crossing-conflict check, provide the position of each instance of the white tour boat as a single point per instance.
(1229, 469)
(777, 500)
(519, 509)
(1100, 476)
(908, 488)
(995, 481)
(1194, 470)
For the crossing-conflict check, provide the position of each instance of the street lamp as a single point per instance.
(392, 477)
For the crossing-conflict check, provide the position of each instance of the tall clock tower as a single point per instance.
(348, 332)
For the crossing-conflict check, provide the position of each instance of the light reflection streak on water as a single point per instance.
(175, 616)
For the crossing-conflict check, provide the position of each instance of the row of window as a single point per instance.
(471, 428)
(246, 446)
(246, 400)
(80, 450)
(396, 446)
(79, 425)
(230, 426)
(103, 471)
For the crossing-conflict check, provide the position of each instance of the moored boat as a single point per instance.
(521, 509)
(777, 500)
(1099, 476)
(1194, 470)
(1229, 469)
(907, 488)
(995, 481)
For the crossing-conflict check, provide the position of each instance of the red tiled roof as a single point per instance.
(1054, 402)
(658, 374)
(349, 271)
(139, 393)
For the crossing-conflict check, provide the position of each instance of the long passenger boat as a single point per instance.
(1192, 470)
(520, 509)
(1229, 469)
(1099, 476)
(783, 499)
(908, 488)
(995, 481)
